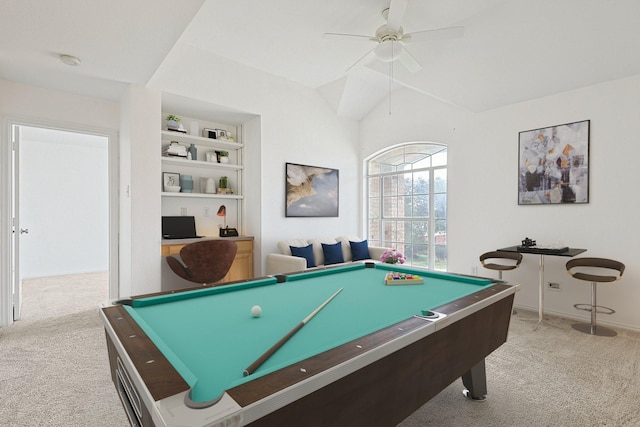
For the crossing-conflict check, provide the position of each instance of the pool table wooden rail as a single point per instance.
(160, 377)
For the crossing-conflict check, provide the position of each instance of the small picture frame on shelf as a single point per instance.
(171, 182)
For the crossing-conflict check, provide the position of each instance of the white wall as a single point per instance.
(140, 206)
(64, 202)
(253, 191)
(23, 101)
(483, 210)
(296, 125)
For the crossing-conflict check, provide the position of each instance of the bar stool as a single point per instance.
(501, 261)
(584, 268)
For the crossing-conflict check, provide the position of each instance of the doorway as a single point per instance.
(61, 210)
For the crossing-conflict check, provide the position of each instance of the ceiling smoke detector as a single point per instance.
(70, 60)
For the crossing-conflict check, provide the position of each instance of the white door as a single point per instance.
(61, 205)
(16, 288)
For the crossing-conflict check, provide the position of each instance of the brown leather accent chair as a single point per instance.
(205, 262)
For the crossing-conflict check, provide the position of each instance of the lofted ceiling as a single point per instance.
(511, 51)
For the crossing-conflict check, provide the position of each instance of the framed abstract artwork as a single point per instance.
(553, 164)
(311, 191)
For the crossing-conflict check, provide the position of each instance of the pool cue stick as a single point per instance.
(255, 365)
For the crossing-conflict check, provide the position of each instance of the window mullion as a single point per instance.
(432, 221)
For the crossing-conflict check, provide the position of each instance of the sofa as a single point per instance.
(319, 252)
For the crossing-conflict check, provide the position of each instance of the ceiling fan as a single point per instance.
(391, 39)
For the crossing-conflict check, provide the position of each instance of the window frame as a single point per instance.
(381, 216)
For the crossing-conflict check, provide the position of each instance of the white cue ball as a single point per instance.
(256, 311)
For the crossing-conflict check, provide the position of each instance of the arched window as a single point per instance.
(406, 189)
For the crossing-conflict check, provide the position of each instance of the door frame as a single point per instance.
(8, 174)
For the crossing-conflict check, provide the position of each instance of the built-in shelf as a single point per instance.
(179, 161)
(202, 195)
(199, 140)
(199, 203)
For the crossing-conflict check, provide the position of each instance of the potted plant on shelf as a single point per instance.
(224, 157)
(172, 121)
(223, 186)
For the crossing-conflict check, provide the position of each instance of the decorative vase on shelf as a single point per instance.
(172, 124)
(211, 157)
(210, 187)
(186, 182)
(193, 151)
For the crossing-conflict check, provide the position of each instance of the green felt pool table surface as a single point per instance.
(210, 336)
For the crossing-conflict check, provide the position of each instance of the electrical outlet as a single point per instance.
(183, 211)
(553, 286)
(474, 270)
(206, 211)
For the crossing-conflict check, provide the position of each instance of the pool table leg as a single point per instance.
(475, 381)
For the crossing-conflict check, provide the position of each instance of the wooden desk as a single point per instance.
(242, 267)
(570, 252)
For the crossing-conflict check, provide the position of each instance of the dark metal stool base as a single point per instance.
(598, 330)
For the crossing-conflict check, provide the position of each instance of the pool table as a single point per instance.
(372, 356)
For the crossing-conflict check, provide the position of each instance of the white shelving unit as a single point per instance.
(202, 195)
(221, 144)
(209, 169)
(198, 203)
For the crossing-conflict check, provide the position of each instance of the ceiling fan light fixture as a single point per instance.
(388, 50)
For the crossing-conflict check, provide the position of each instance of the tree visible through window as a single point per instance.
(407, 202)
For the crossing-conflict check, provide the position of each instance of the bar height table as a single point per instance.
(569, 252)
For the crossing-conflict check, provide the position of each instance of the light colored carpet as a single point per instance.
(554, 376)
(54, 370)
(54, 367)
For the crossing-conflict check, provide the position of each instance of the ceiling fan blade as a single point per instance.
(433, 35)
(409, 61)
(353, 37)
(362, 61)
(397, 8)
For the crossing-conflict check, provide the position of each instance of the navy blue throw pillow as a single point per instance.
(305, 252)
(332, 253)
(360, 250)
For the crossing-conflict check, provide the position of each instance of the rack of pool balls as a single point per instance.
(395, 278)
